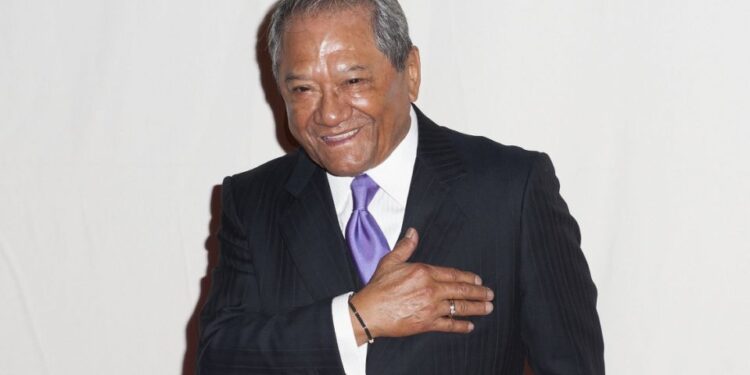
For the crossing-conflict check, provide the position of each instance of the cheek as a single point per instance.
(305, 137)
(367, 105)
(297, 119)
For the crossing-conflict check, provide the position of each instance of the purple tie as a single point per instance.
(365, 239)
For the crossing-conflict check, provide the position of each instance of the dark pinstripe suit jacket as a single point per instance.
(478, 206)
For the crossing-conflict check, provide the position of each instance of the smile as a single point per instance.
(340, 138)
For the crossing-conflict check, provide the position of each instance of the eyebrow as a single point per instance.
(293, 77)
(296, 77)
(354, 68)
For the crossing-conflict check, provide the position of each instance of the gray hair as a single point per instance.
(388, 21)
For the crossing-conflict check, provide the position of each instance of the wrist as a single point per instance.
(362, 332)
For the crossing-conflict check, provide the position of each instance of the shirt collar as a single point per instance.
(393, 175)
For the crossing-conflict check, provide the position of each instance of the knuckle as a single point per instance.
(429, 292)
(462, 307)
(420, 271)
(387, 258)
(423, 295)
(463, 290)
(450, 325)
(402, 245)
(454, 275)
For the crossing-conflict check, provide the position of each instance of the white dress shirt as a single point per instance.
(387, 207)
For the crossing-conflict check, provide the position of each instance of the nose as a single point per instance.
(332, 109)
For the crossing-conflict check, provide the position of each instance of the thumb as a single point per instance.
(404, 248)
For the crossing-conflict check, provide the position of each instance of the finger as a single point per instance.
(464, 291)
(452, 325)
(466, 308)
(403, 250)
(448, 274)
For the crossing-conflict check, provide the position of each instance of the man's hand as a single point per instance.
(404, 299)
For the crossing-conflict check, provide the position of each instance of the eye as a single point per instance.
(300, 89)
(354, 81)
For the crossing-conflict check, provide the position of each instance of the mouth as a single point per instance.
(337, 139)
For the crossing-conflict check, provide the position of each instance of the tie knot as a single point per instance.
(363, 190)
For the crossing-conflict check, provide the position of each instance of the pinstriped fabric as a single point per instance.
(479, 206)
(564, 292)
(438, 151)
(260, 316)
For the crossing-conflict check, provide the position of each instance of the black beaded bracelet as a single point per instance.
(359, 319)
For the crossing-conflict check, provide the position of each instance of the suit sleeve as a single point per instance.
(559, 323)
(237, 337)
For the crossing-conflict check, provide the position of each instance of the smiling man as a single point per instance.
(388, 244)
(347, 105)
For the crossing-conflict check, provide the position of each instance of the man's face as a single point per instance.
(347, 105)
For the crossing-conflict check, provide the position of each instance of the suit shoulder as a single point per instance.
(483, 155)
(252, 194)
(275, 171)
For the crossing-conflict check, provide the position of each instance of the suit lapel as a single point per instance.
(312, 235)
(433, 211)
(431, 208)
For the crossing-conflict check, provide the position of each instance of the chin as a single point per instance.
(342, 164)
(345, 169)
(349, 172)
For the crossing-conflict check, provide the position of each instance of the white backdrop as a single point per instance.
(118, 118)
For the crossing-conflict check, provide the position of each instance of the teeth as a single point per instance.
(340, 137)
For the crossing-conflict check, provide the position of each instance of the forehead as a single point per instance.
(329, 35)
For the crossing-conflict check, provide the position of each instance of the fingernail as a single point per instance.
(478, 280)
(410, 233)
(490, 294)
(471, 327)
(488, 307)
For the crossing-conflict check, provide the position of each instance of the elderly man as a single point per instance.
(388, 244)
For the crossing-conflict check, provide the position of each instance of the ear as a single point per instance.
(413, 70)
